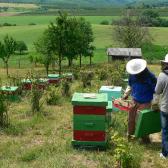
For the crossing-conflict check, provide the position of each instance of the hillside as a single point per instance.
(90, 3)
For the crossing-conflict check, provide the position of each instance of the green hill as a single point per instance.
(90, 3)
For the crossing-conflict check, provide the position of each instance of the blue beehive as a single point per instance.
(113, 92)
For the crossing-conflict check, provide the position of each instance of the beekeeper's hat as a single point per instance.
(136, 66)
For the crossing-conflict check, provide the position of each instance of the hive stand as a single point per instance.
(148, 122)
(90, 121)
(10, 92)
(112, 92)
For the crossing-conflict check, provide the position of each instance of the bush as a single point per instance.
(66, 88)
(36, 95)
(8, 24)
(87, 77)
(32, 24)
(103, 75)
(3, 112)
(104, 22)
(54, 96)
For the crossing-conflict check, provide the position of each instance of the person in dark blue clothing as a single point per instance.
(141, 87)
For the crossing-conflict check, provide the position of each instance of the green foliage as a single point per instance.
(36, 95)
(129, 33)
(54, 96)
(104, 22)
(7, 48)
(44, 47)
(87, 77)
(103, 75)
(21, 46)
(152, 18)
(153, 52)
(124, 157)
(66, 88)
(4, 121)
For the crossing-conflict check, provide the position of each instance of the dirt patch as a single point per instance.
(80, 160)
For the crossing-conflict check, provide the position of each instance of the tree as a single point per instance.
(35, 58)
(44, 47)
(21, 47)
(57, 34)
(85, 39)
(7, 48)
(129, 33)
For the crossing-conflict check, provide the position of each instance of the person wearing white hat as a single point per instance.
(162, 89)
(141, 87)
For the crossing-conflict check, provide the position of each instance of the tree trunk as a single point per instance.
(80, 57)
(47, 67)
(90, 60)
(60, 65)
(7, 72)
(19, 60)
(69, 62)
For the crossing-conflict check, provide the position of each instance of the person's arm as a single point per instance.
(127, 92)
(159, 85)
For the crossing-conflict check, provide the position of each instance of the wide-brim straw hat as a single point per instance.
(165, 60)
(136, 66)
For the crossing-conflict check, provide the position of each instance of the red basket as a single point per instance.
(122, 105)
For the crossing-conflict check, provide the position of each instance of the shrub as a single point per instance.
(123, 153)
(4, 121)
(103, 75)
(104, 22)
(8, 24)
(36, 95)
(87, 77)
(54, 96)
(66, 88)
(32, 24)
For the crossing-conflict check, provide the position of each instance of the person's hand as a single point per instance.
(125, 97)
(155, 107)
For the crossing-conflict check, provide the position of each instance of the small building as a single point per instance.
(123, 53)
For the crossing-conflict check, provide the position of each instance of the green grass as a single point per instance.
(102, 36)
(41, 20)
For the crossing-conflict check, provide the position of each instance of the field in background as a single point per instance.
(19, 5)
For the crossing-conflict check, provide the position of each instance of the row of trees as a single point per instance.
(67, 38)
(8, 47)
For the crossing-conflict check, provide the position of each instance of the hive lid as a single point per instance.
(53, 75)
(90, 99)
(26, 81)
(10, 88)
(111, 88)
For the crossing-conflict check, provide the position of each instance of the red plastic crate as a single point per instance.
(123, 106)
(89, 135)
(89, 110)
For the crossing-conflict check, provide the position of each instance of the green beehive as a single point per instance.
(89, 122)
(10, 92)
(109, 110)
(148, 122)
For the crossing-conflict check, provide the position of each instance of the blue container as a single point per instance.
(113, 92)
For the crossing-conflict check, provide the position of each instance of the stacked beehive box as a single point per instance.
(113, 92)
(54, 78)
(90, 121)
(11, 92)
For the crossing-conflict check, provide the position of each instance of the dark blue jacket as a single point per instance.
(143, 88)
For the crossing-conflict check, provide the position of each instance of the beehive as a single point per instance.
(148, 122)
(113, 92)
(10, 92)
(89, 120)
(54, 78)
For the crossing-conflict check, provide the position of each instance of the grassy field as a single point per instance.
(44, 140)
(19, 5)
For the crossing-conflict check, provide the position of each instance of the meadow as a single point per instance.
(44, 140)
(103, 35)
